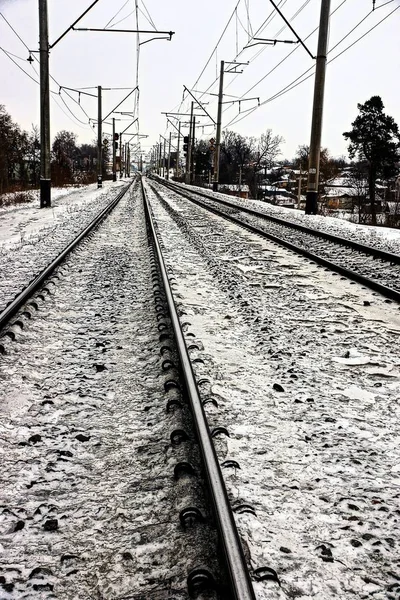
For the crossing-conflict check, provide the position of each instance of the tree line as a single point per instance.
(20, 157)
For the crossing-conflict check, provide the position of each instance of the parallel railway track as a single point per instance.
(374, 268)
(9, 311)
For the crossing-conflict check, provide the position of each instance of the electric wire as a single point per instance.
(217, 44)
(148, 14)
(116, 14)
(261, 28)
(19, 66)
(288, 55)
(293, 84)
(123, 19)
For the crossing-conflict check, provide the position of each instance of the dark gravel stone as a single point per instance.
(82, 438)
(355, 543)
(35, 438)
(99, 368)
(50, 525)
(285, 550)
(278, 388)
(19, 525)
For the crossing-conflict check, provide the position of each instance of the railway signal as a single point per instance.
(185, 144)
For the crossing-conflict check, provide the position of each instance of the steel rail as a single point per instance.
(238, 574)
(383, 254)
(371, 283)
(16, 304)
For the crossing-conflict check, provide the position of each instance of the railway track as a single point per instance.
(213, 561)
(239, 583)
(21, 298)
(305, 375)
(374, 268)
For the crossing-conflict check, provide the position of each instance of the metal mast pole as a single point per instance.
(192, 173)
(316, 126)
(218, 135)
(169, 154)
(189, 152)
(114, 153)
(163, 166)
(99, 140)
(299, 189)
(45, 172)
(177, 149)
(120, 155)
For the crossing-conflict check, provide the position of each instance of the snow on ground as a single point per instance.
(307, 380)
(89, 507)
(385, 238)
(19, 223)
(30, 236)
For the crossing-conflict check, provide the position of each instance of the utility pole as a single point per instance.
(159, 158)
(163, 166)
(218, 136)
(45, 173)
(299, 190)
(316, 126)
(120, 155)
(177, 150)
(189, 151)
(114, 153)
(99, 140)
(192, 149)
(169, 154)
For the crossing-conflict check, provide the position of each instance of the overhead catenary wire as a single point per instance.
(60, 87)
(295, 83)
(116, 14)
(260, 29)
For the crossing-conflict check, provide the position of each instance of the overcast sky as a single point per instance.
(84, 59)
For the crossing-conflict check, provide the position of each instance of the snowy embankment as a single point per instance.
(30, 236)
(384, 238)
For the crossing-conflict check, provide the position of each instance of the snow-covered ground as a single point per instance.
(89, 507)
(385, 238)
(307, 380)
(303, 364)
(30, 237)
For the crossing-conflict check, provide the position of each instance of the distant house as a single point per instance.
(233, 189)
(343, 193)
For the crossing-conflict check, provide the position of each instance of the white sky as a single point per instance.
(85, 59)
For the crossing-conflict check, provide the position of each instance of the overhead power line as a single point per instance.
(295, 83)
